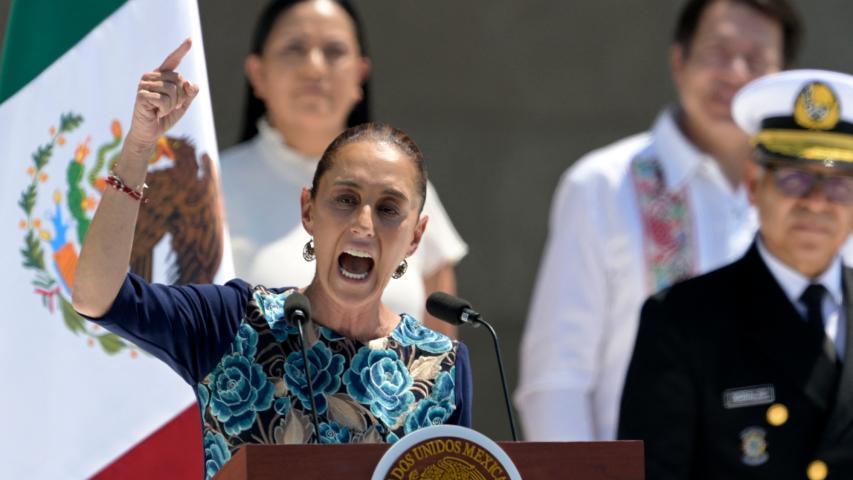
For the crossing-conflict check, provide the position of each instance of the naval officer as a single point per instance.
(747, 372)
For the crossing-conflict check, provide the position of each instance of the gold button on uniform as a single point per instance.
(817, 470)
(777, 414)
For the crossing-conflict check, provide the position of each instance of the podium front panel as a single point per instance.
(620, 460)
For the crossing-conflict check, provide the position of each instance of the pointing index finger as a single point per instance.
(174, 59)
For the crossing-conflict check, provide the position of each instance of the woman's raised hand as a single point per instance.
(161, 100)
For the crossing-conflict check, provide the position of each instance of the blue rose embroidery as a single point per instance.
(326, 369)
(282, 406)
(330, 334)
(333, 433)
(379, 379)
(272, 306)
(444, 388)
(203, 396)
(428, 413)
(216, 453)
(411, 332)
(246, 341)
(437, 408)
(238, 389)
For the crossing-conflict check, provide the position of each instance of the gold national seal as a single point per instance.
(446, 458)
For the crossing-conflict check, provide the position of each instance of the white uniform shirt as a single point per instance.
(262, 180)
(592, 280)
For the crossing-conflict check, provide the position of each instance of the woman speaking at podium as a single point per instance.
(376, 375)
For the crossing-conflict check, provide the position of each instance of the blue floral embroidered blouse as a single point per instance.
(233, 345)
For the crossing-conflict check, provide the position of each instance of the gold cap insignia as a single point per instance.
(817, 107)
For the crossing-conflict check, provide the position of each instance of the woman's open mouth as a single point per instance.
(355, 264)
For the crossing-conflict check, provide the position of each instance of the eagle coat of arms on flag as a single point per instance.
(56, 214)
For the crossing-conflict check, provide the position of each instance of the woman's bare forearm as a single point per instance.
(162, 98)
(106, 250)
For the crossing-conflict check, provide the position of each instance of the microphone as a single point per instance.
(457, 311)
(297, 311)
(453, 310)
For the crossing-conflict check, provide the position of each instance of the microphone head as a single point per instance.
(297, 308)
(447, 307)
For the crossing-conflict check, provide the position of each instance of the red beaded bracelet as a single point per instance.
(116, 182)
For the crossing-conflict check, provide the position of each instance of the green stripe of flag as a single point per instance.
(41, 31)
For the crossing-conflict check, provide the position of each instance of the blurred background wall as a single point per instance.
(503, 96)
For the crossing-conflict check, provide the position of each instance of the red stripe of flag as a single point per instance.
(172, 451)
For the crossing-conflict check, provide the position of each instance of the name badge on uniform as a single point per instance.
(749, 396)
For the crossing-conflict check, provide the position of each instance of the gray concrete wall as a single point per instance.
(503, 96)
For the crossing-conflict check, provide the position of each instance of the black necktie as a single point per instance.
(827, 369)
(812, 298)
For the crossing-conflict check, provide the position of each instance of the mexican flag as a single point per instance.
(77, 401)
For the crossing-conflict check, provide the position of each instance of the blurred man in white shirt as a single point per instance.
(643, 213)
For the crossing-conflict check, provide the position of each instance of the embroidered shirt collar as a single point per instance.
(794, 283)
(283, 159)
(680, 159)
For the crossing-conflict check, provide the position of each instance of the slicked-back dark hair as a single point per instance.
(255, 108)
(782, 11)
(379, 133)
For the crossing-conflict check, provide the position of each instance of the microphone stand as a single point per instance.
(476, 321)
(309, 379)
(457, 311)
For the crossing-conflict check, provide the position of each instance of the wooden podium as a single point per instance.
(621, 460)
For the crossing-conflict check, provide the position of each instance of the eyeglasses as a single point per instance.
(793, 182)
(757, 61)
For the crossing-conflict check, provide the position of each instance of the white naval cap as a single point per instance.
(800, 116)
